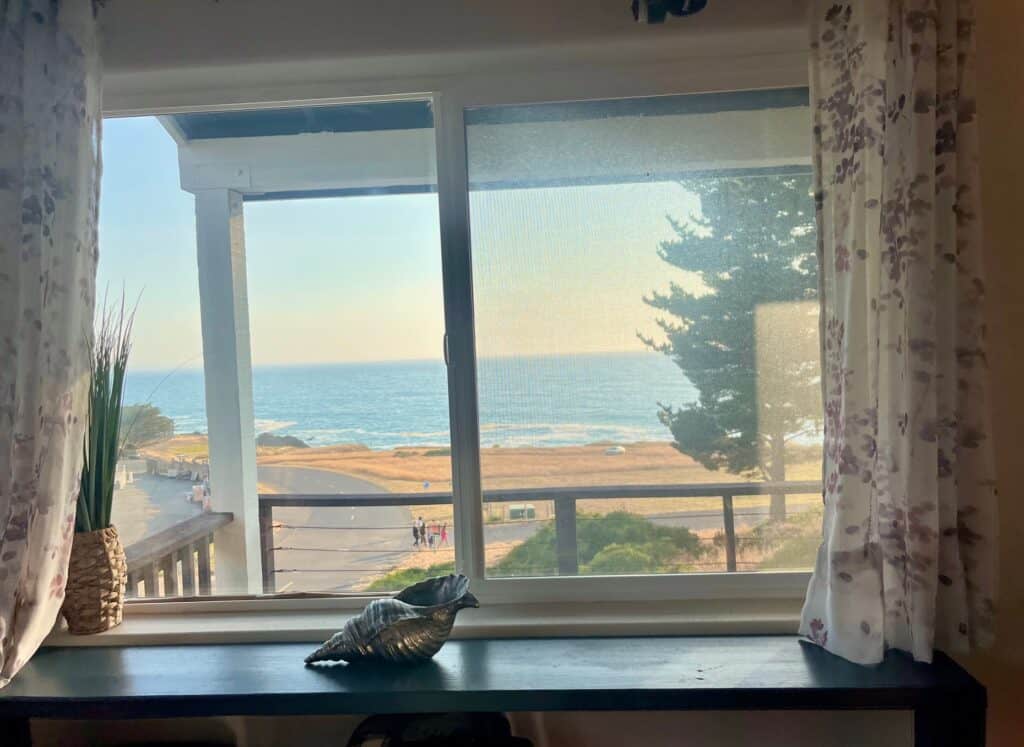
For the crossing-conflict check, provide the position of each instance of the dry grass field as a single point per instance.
(406, 470)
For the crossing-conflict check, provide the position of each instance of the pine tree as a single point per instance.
(753, 250)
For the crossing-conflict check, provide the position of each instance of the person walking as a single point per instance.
(415, 535)
(444, 533)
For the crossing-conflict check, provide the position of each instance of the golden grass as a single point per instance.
(189, 446)
(406, 469)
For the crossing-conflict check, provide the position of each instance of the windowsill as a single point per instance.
(753, 617)
(544, 674)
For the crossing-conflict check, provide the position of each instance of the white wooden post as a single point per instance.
(227, 364)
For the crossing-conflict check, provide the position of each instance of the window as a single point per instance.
(349, 387)
(319, 272)
(646, 332)
(148, 254)
(632, 383)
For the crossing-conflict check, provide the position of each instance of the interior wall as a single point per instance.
(1001, 115)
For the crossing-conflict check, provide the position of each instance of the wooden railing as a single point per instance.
(178, 561)
(564, 500)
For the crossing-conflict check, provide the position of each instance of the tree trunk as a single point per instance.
(777, 473)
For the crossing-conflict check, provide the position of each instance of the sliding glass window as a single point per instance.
(646, 330)
(349, 382)
(309, 448)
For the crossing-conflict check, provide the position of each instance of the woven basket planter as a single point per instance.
(97, 575)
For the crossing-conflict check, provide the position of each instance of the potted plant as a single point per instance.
(98, 571)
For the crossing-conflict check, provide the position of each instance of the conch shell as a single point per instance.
(411, 626)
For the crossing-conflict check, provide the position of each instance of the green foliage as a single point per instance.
(144, 424)
(618, 542)
(793, 543)
(102, 447)
(398, 580)
(650, 557)
(622, 559)
(753, 251)
(623, 535)
(796, 553)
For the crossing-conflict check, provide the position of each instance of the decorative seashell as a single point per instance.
(411, 626)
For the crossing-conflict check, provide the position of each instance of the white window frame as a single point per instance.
(706, 68)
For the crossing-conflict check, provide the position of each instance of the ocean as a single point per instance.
(558, 400)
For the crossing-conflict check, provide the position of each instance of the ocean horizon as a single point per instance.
(549, 400)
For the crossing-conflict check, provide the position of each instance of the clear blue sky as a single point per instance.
(359, 278)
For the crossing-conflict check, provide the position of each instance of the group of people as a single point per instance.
(431, 535)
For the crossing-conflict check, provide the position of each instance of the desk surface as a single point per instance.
(751, 672)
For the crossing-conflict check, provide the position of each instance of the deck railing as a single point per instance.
(564, 500)
(177, 561)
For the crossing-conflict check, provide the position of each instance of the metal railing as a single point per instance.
(564, 499)
(177, 561)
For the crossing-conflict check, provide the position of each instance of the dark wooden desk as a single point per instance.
(546, 674)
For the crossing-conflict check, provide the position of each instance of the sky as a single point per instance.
(556, 270)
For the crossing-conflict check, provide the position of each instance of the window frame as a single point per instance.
(729, 67)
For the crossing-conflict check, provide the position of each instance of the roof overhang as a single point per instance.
(388, 147)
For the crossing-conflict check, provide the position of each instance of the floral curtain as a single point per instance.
(49, 187)
(908, 558)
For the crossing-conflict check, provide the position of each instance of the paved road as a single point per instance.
(358, 543)
(151, 503)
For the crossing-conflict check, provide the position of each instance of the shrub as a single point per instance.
(796, 553)
(794, 544)
(595, 534)
(398, 580)
(618, 542)
(622, 559)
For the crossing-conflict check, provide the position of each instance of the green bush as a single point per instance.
(797, 553)
(618, 542)
(398, 580)
(792, 544)
(595, 534)
(622, 559)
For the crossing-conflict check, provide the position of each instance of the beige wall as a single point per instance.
(1001, 109)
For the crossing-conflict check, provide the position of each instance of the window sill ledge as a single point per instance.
(753, 617)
